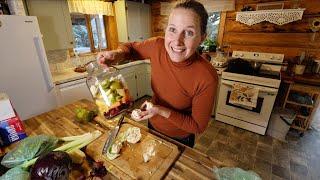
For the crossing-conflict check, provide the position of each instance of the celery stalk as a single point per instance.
(72, 138)
(78, 143)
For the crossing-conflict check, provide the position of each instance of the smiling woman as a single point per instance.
(184, 84)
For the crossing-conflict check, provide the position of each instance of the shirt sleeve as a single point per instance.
(202, 105)
(140, 50)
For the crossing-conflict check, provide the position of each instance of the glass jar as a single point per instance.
(108, 89)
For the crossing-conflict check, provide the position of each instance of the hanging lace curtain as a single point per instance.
(91, 7)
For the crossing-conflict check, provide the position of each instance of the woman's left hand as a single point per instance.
(152, 111)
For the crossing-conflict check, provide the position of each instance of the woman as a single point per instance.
(184, 84)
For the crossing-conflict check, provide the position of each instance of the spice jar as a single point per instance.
(108, 89)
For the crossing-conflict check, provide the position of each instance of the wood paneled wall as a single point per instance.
(291, 39)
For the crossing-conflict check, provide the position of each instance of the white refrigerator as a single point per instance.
(24, 70)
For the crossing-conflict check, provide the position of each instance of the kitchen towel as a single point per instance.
(244, 95)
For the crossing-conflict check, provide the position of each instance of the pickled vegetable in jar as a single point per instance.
(108, 89)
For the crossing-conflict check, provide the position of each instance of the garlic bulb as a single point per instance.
(133, 135)
(149, 150)
(136, 114)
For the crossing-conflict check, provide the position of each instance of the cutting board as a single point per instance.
(130, 164)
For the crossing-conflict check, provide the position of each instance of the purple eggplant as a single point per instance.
(55, 165)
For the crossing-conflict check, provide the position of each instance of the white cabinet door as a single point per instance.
(131, 83)
(73, 91)
(148, 84)
(54, 21)
(121, 19)
(145, 21)
(141, 83)
(133, 20)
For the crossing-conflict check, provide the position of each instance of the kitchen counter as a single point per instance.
(311, 79)
(191, 164)
(69, 74)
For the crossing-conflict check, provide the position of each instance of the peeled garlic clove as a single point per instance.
(112, 156)
(116, 147)
(146, 157)
(149, 151)
(113, 151)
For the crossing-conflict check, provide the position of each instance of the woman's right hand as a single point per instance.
(105, 56)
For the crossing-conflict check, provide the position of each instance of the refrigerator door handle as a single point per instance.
(44, 63)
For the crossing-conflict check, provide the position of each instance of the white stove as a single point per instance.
(266, 80)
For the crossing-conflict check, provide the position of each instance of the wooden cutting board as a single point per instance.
(130, 164)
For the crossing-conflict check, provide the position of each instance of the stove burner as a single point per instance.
(241, 66)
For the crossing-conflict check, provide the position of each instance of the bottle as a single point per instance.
(108, 89)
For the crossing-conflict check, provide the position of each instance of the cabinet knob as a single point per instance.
(71, 42)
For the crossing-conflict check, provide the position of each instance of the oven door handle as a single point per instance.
(270, 91)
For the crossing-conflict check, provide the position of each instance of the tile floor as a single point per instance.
(297, 158)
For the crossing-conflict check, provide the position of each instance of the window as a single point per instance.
(210, 44)
(213, 25)
(88, 32)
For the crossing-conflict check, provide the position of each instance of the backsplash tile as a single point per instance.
(60, 60)
(57, 56)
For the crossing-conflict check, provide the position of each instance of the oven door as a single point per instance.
(259, 115)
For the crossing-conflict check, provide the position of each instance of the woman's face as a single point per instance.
(183, 34)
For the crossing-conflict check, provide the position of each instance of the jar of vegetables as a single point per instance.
(108, 89)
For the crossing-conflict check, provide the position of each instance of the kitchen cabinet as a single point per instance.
(138, 79)
(133, 21)
(131, 83)
(72, 91)
(149, 89)
(54, 21)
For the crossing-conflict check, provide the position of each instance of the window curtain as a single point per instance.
(91, 7)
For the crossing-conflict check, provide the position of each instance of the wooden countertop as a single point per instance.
(311, 79)
(191, 164)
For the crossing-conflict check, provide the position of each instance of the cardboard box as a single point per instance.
(11, 128)
(6, 109)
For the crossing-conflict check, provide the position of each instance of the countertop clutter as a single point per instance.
(61, 122)
(69, 74)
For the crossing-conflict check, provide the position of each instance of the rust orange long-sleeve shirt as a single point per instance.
(188, 88)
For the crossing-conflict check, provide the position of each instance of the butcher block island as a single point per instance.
(171, 159)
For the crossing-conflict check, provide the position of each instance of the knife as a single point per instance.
(112, 135)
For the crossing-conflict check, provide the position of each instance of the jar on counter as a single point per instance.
(108, 89)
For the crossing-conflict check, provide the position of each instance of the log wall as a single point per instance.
(291, 39)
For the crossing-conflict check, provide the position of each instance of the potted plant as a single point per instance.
(209, 45)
